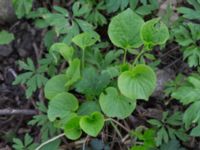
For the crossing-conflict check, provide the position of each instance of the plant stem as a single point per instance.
(119, 124)
(86, 139)
(125, 53)
(50, 140)
(137, 57)
(83, 58)
(117, 130)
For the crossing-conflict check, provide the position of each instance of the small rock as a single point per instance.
(7, 13)
(164, 8)
(5, 50)
(22, 52)
(163, 76)
(9, 75)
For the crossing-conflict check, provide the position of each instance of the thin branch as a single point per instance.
(10, 111)
(118, 123)
(116, 129)
(84, 144)
(49, 141)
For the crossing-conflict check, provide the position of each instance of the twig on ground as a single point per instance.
(125, 138)
(10, 111)
(173, 63)
(49, 141)
(84, 144)
(37, 53)
(118, 123)
(169, 51)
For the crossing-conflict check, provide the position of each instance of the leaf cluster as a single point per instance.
(169, 128)
(188, 94)
(98, 89)
(94, 87)
(187, 36)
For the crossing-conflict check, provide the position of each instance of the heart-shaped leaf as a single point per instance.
(92, 124)
(115, 105)
(137, 83)
(124, 30)
(86, 39)
(55, 86)
(154, 32)
(72, 128)
(62, 105)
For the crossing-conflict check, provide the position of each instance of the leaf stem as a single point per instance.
(86, 139)
(50, 140)
(138, 56)
(124, 58)
(83, 58)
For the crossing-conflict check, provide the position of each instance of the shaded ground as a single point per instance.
(27, 38)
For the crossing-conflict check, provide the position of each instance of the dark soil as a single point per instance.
(13, 97)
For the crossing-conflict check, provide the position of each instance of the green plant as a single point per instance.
(122, 106)
(191, 13)
(135, 81)
(167, 128)
(22, 7)
(64, 26)
(98, 63)
(85, 40)
(27, 144)
(187, 36)
(188, 94)
(146, 8)
(173, 85)
(47, 131)
(47, 128)
(172, 145)
(6, 37)
(34, 77)
(94, 11)
(147, 137)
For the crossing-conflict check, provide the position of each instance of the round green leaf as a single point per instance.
(86, 39)
(55, 86)
(92, 124)
(137, 83)
(61, 122)
(72, 128)
(62, 105)
(154, 32)
(124, 30)
(113, 104)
